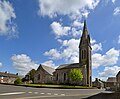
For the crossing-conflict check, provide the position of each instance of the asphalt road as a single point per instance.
(18, 92)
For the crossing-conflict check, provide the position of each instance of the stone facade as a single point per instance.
(44, 74)
(118, 80)
(111, 83)
(7, 77)
(61, 75)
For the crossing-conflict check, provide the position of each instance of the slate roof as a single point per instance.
(4, 74)
(111, 79)
(73, 65)
(48, 69)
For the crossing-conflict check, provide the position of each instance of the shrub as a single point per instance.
(18, 81)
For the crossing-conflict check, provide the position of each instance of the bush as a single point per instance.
(18, 81)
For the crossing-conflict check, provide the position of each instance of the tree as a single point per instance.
(31, 74)
(18, 81)
(76, 75)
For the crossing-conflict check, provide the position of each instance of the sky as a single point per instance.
(48, 32)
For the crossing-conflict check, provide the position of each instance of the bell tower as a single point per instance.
(85, 56)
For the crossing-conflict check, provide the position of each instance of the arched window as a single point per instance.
(38, 76)
(84, 54)
(57, 76)
(64, 76)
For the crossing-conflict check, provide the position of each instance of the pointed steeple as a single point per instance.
(85, 31)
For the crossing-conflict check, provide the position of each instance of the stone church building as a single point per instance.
(61, 74)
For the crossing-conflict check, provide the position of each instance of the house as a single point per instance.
(6, 77)
(111, 83)
(118, 79)
(60, 75)
(98, 83)
(44, 74)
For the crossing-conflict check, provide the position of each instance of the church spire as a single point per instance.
(85, 32)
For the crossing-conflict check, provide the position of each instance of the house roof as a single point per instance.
(5, 74)
(111, 79)
(73, 65)
(48, 69)
(118, 73)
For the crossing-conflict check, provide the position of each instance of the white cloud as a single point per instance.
(7, 14)
(110, 58)
(74, 32)
(109, 72)
(69, 51)
(116, 11)
(113, 1)
(77, 23)
(119, 39)
(65, 7)
(1, 65)
(49, 63)
(59, 30)
(53, 54)
(95, 46)
(23, 63)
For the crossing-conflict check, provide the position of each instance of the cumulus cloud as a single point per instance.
(49, 63)
(59, 30)
(95, 46)
(119, 39)
(109, 72)
(53, 8)
(113, 1)
(116, 11)
(1, 64)
(23, 63)
(53, 54)
(110, 58)
(7, 14)
(69, 51)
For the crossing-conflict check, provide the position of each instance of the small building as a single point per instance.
(98, 83)
(111, 83)
(6, 77)
(118, 79)
(44, 74)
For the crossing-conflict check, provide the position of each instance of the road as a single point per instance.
(19, 92)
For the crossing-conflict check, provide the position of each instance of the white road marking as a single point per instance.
(13, 93)
(55, 94)
(49, 93)
(29, 92)
(35, 92)
(42, 93)
(62, 94)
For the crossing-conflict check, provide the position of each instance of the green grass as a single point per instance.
(51, 86)
(55, 86)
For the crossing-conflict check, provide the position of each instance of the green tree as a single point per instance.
(18, 81)
(76, 75)
(31, 74)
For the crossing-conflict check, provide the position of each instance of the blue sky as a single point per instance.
(34, 32)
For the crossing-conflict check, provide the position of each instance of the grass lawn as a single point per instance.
(55, 86)
(51, 86)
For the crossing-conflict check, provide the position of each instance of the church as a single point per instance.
(60, 75)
